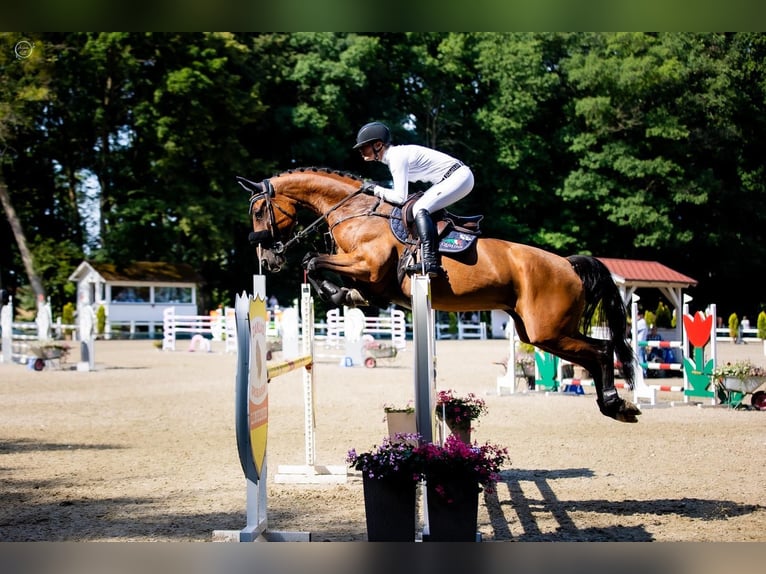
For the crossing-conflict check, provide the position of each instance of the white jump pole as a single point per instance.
(310, 472)
(425, 364)
(6, 326)
(424, 343)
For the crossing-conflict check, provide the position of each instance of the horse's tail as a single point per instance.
(601, 290)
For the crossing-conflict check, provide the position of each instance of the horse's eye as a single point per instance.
(258, 212)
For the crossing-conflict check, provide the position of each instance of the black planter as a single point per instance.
(389, 506)
(453, 509)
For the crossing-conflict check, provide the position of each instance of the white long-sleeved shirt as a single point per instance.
(410, 163)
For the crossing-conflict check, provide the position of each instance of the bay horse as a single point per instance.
(551, 299)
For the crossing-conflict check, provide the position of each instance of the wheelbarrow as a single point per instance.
(737, 389)
(48, 356)
(375, 350)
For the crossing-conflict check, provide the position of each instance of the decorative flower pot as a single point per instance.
(453, 508)
(401, 422)
(461, 430)
(389, 506)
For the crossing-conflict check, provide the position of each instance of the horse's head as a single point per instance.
(273, 219)
(274, 204)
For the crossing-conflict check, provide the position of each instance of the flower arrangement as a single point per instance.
(51, 350)
(394, 458)
(408, 408)
(456, 459)
(462, 410)
(741, 370)
(525, 363)
(404, 458)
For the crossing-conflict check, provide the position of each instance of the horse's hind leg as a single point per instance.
(609, 401)
(597, 356)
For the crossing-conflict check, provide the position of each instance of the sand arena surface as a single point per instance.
(143, 449)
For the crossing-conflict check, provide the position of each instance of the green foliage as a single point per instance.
(761, 324)
(664, 317)
(124, 145)
(100, 320)
(54, 262)
(650, 318)
(733, 325)
(452, 323)
(526, 348)
(67, 315)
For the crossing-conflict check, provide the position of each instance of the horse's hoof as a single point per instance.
(355, 299)
(627, 417)
(628, 412)
(622, 410)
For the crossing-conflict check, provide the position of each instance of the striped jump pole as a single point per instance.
(642, 389)
(252, 410)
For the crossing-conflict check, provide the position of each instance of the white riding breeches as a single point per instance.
(449, 190)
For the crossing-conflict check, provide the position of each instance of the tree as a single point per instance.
(524, 112)
(125, 146)
(24, 85)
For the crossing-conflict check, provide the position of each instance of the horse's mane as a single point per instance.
(323, 171)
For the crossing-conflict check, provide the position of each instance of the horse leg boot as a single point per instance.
(427, 232)
(611, 404)
(329, 292)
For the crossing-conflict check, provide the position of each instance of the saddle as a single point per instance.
(456, 233)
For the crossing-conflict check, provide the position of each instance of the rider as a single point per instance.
(451, 180)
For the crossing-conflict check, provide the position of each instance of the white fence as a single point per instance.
(392, 327)
(464, 330)
(220, 327)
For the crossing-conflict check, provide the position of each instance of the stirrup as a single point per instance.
(419, 268)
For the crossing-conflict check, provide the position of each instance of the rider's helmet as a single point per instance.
(373, 132)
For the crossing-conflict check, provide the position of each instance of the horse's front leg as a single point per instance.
(354, 265)
(344, 264)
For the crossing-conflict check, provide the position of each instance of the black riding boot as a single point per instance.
(427, 233)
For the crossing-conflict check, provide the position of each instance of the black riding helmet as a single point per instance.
(372, 132)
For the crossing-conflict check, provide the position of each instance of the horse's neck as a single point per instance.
(319, 193)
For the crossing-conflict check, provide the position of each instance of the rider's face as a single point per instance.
(367, 151)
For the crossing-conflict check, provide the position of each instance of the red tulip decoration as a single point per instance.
(698, 372)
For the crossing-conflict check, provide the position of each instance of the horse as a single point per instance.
(551, 299)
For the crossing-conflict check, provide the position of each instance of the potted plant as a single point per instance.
(400, 419)
(733, 324)
(390, 473)
(67, 318)
(100, 320)
(455, 474)
(761, 325)
(457, 412)
(525, 365)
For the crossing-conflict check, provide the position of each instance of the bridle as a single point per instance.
(268, 193)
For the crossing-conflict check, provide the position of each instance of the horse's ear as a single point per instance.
(251, 186)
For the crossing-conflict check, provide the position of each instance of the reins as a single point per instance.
(269, 193)
(319, 220)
